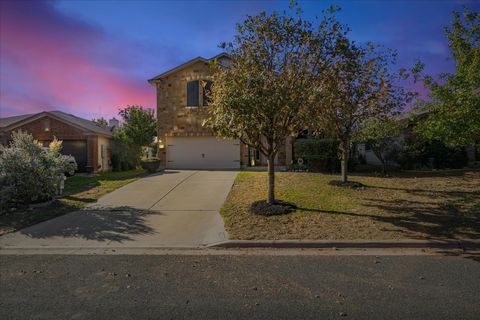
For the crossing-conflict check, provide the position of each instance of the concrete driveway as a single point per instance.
(173, 209)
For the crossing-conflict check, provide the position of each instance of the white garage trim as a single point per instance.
(202, 153)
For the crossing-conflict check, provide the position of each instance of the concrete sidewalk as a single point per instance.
(173, 209)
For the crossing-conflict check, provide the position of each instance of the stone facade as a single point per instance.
(175, 118)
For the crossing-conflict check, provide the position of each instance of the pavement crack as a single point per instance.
(153, 205)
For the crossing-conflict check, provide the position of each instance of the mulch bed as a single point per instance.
(263, 208)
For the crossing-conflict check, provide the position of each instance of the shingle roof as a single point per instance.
(87, 124)
(70, 118)
(5, 122)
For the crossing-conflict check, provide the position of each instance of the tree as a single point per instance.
(101, 122)
(355, 88)
(124, 154)
(139, 125)
(454, 106)
(265, 95)
(382, 134)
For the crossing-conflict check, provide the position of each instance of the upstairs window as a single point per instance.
(206, 89)
(193, 93)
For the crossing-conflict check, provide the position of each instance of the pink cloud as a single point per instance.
(49, 61)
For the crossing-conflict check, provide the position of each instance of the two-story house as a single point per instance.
(181, 109)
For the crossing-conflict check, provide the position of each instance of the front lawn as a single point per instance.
(415, 206)
(79, 191)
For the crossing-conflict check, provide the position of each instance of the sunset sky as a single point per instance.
(91, 57)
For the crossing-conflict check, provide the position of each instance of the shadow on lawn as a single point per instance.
(418, 174)
(435, 220)
(436, 193)
(112, 224)
(457, 217)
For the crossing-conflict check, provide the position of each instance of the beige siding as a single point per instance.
(104, 157)
(176, 119)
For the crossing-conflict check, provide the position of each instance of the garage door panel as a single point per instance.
(77, 149)
(202, 153)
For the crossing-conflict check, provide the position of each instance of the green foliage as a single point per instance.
(315, 146)
(298, 167)
(30, 174)
(139, 125)
(150, 164)
(269, 87)
(382, 134)
(319, 154)
(101, 122)
(153, 160)
(266, 93)
(431, 155)
(454, 106)
(359, 85)
(124, 154)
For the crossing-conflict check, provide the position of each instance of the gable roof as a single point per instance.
(16, 121)
(187, 64)
(5, 122)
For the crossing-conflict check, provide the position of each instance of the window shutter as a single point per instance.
(207, 88)
(192, 93)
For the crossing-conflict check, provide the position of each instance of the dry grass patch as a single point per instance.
(420, 206)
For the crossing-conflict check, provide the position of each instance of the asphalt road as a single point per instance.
(238, 287)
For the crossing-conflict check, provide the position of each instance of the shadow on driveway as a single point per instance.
(112, 224)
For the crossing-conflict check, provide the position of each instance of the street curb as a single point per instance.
(438, 244)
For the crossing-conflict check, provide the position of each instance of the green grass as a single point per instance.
(79, 191)
(435, 205)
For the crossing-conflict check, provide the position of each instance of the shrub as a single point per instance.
(150, 164)
(319, 154)
(124, 154)
(432, 155)
(30, 174)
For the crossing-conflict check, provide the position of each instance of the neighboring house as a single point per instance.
(181, 109)
(85, 140)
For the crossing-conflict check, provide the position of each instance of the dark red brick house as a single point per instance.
(85, 140)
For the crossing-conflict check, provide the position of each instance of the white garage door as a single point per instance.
(202, 153)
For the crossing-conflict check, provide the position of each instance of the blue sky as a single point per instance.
(91, 57)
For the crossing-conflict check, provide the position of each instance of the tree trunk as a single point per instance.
(271, 179)
(344, 161)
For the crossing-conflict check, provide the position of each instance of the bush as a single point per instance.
(124, 156)
(298, 167)
(432, 155)
(319, 154)
(29, 174)
(150, 164)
